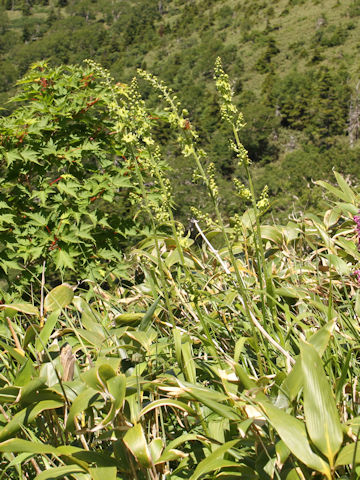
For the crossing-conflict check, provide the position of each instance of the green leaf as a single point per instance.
(320, 339)
(168, 402)
(129, 318)
(79, 405)
(293, 433)
(156, 447)
(44, 335)
(20, 445)
(145, 322)
(14, 352)
(25, 374)
(341, 267)
(58, 298)
(208, 397)
(59, 472)
(63, 259)
(135, 440)
(97, 377)
(30, 156)
(7, 218)
(26, 416)
(89, 319)
(335, 191)
(108, 473)
(117, 389)
(350, 195)
(22, 308)
(12, 155)
(272, 233)
(214, 460)
(9, 394)
(322, 418)
(37, 219)
(347, 454)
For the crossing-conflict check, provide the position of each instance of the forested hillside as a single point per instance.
(292, 61)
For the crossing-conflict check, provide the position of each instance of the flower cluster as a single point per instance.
(357, 221)
(242, 190)
(228, 111)
(203, 217)
(357, 274)
(241, 153)
(263, 203)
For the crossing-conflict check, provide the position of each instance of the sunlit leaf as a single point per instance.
(59, 297)
(135, 440)
(293, 433)
(322, 418)
(214, 461)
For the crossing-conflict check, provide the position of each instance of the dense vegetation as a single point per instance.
(156, 323)
(222, 352)
(292, 65)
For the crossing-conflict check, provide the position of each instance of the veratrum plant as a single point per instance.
(65, 183)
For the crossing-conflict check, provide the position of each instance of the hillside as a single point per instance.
(138, 343)
(291, 63)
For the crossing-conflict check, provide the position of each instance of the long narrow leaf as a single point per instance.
(214, 460)
(322, 418)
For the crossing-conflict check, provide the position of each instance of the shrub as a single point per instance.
(67, 153)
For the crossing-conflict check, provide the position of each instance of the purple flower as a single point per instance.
(357, 221)
(357, 273)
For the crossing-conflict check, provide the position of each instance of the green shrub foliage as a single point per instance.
(66, 177)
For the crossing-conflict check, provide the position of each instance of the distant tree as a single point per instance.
(9, 4)
(263, 65)
(26, 8)
(26, 34)
(4, 22)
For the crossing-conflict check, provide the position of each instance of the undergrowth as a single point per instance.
(228, 350)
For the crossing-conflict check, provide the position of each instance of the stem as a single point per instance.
(252, 316)
(42, 296)
(158, 253)
(14, 335)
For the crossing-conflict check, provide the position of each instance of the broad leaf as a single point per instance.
(322, 418)
(58, 298)
(347, 454)
(293, 433)
(108, 473)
